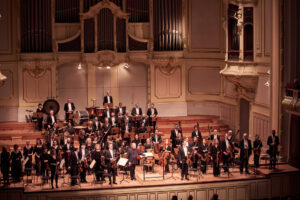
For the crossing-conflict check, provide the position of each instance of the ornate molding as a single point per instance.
(168, 67)
(36, 69)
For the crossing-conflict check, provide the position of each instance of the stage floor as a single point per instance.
(158, 181)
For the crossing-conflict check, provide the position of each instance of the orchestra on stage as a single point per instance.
(110, 140)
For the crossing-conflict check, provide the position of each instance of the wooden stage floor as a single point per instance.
(167, 181)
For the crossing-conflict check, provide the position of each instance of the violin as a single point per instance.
(80, 169)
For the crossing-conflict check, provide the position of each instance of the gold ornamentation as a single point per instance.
(39, 70)
(169, 68)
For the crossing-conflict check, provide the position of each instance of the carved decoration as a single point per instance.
(168, 68)
(37, 69)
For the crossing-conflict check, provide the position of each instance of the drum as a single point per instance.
(100, 111)
(78, 128)
(51, 104)
(91, 110)
(80, 116)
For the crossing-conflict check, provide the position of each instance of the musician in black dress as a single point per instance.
(74, 166)
(152, 112)
(204, 151)
(132, 160)
(83, 156)
(5, 161)
(27, 153)
(245, 152)
(45, 157)
(257, 145)
(174, 135)
(137, 140)
(54, 167)
(107, 98)
(273, 142)
(69, 108)
(215, 152)
(16, 164)
(40, 120)
(183, 156)
(111, 158)
(38, 150)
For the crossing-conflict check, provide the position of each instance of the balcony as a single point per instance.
(290, 103)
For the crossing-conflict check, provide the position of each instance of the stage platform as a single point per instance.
(280, 182)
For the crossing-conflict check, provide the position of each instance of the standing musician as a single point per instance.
(54, 167)
(5, 161)
(40, 120)
(273, 142)
(166, 148)
(74, 161)
(226, 152)
(245, 152)
(257, 145)
(152, 112)
(156, 139)
(38, 150)
(125, 128)
(197, 133)
(51, 120)
(111, 158)
(107, 113)
(107, 98)
(70, 129)
(132, 160)
(83, 156)
(16, 164)
(204, 151)
(67, 149)
(106, 129)
(69, 108)
(126, 117)
(99, 166)
(195, 145)
(137, 111)
(183, 154)
(215, 152)
(27, 153)
(55, 147)
(45, 157)
(89, 129)
(113, 120)
(96, 124)
(120, 111)
(50, 140)
(137, 140)
(214, 136)
(174, 135)
(64, 139)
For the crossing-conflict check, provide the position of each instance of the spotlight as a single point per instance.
(107, 67)
(126, 66)
(267, 84)
(79, 66)
(99, 67)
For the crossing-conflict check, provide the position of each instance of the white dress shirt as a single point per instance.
(137, 110)
(108, 99)
(70, 107)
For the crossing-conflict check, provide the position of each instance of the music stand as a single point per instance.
(62, 166)
(123, 163)
(172, 173)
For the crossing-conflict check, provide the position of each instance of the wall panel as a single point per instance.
(5, 26)
(261, 126)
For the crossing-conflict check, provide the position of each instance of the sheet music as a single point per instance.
(92, 164)
(122, 162)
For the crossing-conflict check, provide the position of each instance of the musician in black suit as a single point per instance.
(132, 160)
(69, 108)
(106, 128)
(137, 111)
(273, 142)
(120, 111)
(40, 120)
(204, 150)
(5, 162)
(67, 149)
(74, 166)
(111, 159)
(54, 164)
(51, 120)
(245, 152)
(96, 124)
(215, 152)
(257, 145)
(83, 156)
(106, 113)
(156, 139)
(174, 135)
(197, 133)
(167, 149)
(107, 98)
(152, 112)
(226, 152)
(137, 140)
(113, 120)
(183, 156)
(125, 128)
(214, 136)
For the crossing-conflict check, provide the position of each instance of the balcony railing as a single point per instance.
(291, 103)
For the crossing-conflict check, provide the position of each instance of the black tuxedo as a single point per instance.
(152, 123)
(273, 150)
(105, 99)
(83, 173)
(50, 122)
(74, 167)
(134, 113)
(245, 154)
(116, 121)
(96, 127)
(173, 137)
(40, 120)
(111, 171)
(66, 109)
(132, 158)
(118, 111)
(211, 137)
(105, 115)
(197, 134)
(183, 161)
(158, 139)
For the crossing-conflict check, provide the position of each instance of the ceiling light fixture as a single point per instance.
(99, 67)
(79, 66)
(108, 67)
(126, 66)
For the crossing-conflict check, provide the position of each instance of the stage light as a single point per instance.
(126, 65)
(107, 67)
(267, 84)
(99, 67)
(79, 66)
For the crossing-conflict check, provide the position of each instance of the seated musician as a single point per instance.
(257, 145)
(148, 146)
(132, 160)
(197, 133)
(83, 156)
(96, 124)
(40, 120)
(196, 143)
(67, 149)
(226, 149)
(123, 148)
(215, 152)
(55, 147)
(45, 157)
(107, 113)
(51, 120)
(107, 98)
(113, 120)
(63, 139)
(214, 136)
(89, 129)
(53, 163)
(70, 129)
(245, 152)
(5, 164)
(120, 111)
(50, 140)
(152, 112)
(74, 166)
(99, 166)
(183, 156)
(111, 158)
(82, 136)
(126, 117)
(166, 147)
(144, 120)
(179, 140)
(137, 140)
(69, 108)
(106, 128)
(137, 111)
(125, 128)
(156, 139)
(204, 151)
(174, 135)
